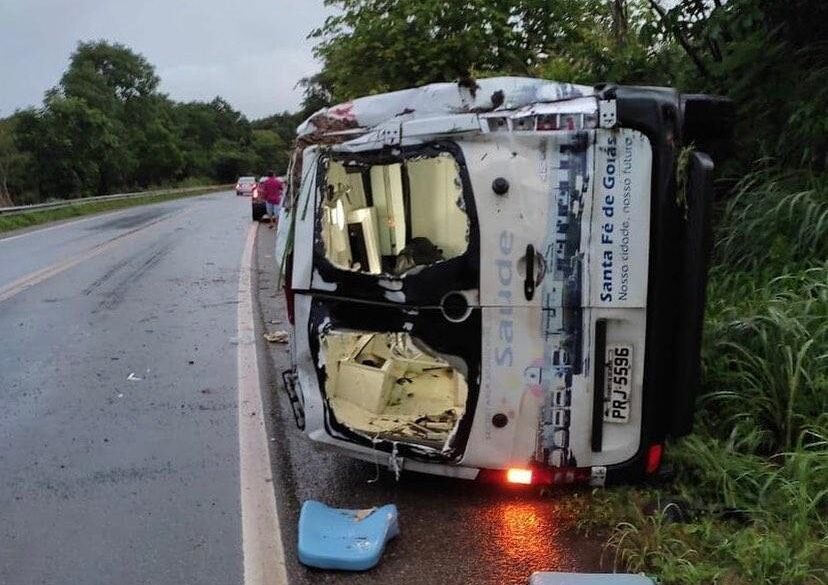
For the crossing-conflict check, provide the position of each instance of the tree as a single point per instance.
(122, 84)
(230, 161)
(317, 93)
(161, 158)
(371, 46)
(771, 58)
(200, 126)
(106, 127)
(70, 143)
(11, 161)
(108, 76)
(271, 151)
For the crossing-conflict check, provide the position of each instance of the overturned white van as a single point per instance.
(502, 279)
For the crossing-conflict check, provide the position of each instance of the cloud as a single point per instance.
(258, 83)
(251, 53)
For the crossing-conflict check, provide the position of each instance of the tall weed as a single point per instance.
(774, 217)
(755, 472)
(766, 358)
(756, 520)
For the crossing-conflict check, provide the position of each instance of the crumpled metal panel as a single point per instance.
(440, 99)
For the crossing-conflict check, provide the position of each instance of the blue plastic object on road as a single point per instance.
(350, 540)
(588, 579)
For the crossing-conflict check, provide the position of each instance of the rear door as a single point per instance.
(342, 287)
(563, 264)
(530, 290)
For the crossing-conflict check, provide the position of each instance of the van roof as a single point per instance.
(440, 100)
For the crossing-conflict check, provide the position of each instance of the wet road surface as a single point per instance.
(452, 531)
(119, 446)
(103, 478)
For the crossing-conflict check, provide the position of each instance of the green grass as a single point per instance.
(755, 519)
(774, 218)
(33, 218)
(754, 474)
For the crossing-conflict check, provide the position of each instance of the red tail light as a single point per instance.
(537, 475)
(515, 475)
(654, 458)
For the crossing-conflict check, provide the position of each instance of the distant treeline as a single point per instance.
(106, 128)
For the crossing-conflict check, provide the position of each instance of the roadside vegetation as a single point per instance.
(749, 503)
(33, 218)
(750, 499)
(106, 128)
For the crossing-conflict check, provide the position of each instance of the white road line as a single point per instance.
(33, 278)
(264, 555)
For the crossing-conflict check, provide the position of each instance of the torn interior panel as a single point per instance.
(391, 386)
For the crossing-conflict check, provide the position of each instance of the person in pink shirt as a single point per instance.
(272, 189)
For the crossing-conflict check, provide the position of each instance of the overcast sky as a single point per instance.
(250, 52)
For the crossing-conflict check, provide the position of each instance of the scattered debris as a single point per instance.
(133, 378)
(277, 336)
(275, 322)
(350, 540)
(191, 362)
(395, 462)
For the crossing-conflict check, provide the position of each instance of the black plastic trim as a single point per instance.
(696, 253)
(599, 382)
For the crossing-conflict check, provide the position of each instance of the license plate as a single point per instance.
(619, 384)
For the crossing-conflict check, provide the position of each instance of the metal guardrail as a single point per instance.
(83, 200)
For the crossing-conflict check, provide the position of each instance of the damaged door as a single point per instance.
(531, 190)
(393, 331)
(544, 205)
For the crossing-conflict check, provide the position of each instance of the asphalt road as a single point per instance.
(105, 479)
(119, 434)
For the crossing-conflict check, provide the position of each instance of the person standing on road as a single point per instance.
(272, 188)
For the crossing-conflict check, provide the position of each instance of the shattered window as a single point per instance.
(393, 218)
(392, 386)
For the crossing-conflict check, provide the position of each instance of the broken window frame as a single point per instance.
(460, 272)
(460, 344)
